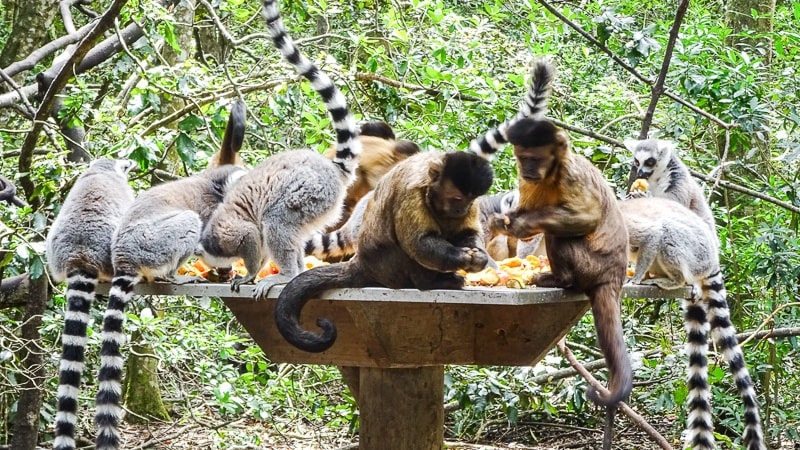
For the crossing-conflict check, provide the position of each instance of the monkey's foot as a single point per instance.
(239, 280)
(185, 279)
(262, 288)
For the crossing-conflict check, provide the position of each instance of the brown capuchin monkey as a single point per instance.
(420, 226)
(565, 197)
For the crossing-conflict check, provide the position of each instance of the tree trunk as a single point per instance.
(141, 389)
(26, 425)
(31, 21)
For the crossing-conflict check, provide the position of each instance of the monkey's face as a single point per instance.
(535, 163)
(448, 201)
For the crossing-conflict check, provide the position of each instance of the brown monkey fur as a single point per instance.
(421, 226)
(565, 197)
(233, 139)
(380, 152)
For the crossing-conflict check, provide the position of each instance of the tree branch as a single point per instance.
(14, 291)
(658, 88)
(635, 417)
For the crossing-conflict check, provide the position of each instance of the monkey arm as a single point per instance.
(564, 220)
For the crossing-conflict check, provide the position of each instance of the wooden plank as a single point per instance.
(401, 409)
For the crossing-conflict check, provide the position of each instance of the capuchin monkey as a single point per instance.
(419, 228)
(233, 139)
(675, 245)
(79, 251)
(277, 206)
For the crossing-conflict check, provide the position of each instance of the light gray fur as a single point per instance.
(668, 177)
(341, 243)
(80, 236)
(271, 213)
(162, 228)
(670, 241)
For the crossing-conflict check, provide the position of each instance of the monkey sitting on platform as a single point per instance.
(418, 229)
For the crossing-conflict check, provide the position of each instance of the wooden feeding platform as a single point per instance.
(392, 344)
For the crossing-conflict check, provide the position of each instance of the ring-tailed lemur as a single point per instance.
(655, 160)
(159, 231)
(79, 251)
(534, 106)
(673, 243)
(233, 139)
(278, 205)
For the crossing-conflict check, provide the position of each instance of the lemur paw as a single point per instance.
(262, 288)
(240, 280)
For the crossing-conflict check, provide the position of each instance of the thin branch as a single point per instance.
(768, 320)
(362, 76)
(658, 88)
(744, 190)
(39, 54)
(635, 417)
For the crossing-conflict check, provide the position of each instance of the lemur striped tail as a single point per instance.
(699, 428)
(80, 293)
(109, 393)
(724, 335)
(348, 147)
(336, 244)
(534, 106)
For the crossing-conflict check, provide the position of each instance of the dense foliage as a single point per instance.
(439, 72)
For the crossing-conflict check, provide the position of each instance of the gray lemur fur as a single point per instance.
(80, 236)
(670, 241)
(656, 161)
(78, 249)
(503, 203)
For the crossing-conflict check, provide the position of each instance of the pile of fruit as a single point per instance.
(513, 272)
(198, 268)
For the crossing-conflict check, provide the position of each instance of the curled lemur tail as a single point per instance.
(348, 147)
(299, 291)
(534, 106)
(724, 335)
(80, 294)
(109, 392)
(610, 339)
(336, 244)
(234, 134)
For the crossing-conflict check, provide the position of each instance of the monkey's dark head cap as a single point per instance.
(470, 173)
(532, 133)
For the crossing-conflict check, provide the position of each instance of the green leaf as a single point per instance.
(186, 148)
(190, 123)
(36, 268)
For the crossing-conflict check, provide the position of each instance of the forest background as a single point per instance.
(725, 89)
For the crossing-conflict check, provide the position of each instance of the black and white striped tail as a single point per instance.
(335, 244)
(348, 147)
(534, 106)
(109, 392)
(724, 335)
(80, 294)
(699, 427)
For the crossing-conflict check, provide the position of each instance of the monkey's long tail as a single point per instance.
(348, 147)
(109, 393)
(724, 335)
(234, 133)
(80, 292)
(699, 427)
(303, 288)
(608, 323)
(534, 106)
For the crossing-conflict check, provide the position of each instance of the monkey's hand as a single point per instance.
(519, 225)
(474, 259)
(499, 223)
(240, 280)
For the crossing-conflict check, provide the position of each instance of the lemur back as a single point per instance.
(277, 206)
(159, 231)
(677, 247)
(78, 249)
(655, 160)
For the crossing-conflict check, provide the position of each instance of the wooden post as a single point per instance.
(401, 409)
